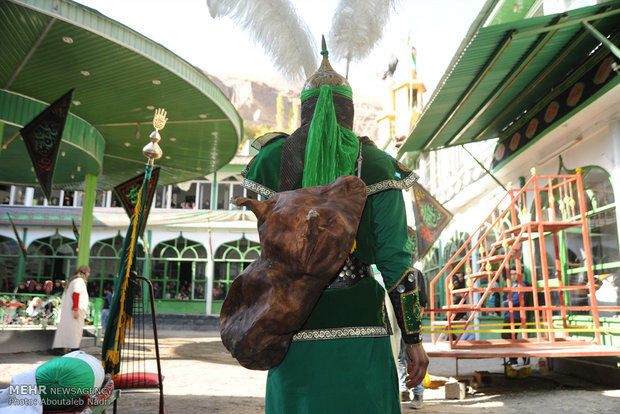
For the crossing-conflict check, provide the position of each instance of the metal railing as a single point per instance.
(559, 203)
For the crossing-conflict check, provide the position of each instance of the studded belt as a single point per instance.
(350, 273)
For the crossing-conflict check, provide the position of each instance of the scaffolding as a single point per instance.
(539, 313)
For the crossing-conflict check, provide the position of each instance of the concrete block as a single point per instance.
(455, 390)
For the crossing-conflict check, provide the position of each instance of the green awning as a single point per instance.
(120, 77)
(504, 70)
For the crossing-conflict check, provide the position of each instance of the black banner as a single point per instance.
(430, 219)
(42, 138)
(127, 194)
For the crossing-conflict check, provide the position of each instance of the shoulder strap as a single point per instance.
(269, 137)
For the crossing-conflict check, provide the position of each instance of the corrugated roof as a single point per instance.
(503, 70)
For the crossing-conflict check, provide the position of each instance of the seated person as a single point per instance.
(21, 288)
(516, 314)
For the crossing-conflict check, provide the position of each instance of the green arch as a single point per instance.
(230, 259)
(179, 269)
(9, 260)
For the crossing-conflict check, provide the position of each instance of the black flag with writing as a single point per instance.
(127, 195)
(42, 138)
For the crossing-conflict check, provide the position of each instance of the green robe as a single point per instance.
(342, 360)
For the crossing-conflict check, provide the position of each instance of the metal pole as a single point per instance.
(605, 41)
(485, 169)
(21, 262)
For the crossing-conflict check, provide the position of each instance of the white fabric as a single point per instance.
(69, 332)
(24, 399)
(94, 364)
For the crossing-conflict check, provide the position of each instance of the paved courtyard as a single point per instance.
(201, 376)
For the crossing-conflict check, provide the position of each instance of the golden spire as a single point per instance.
(152, 150)
(325, 74)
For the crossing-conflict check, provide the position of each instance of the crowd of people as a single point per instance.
(33, 302)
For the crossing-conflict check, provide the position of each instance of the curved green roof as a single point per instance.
(119, 77)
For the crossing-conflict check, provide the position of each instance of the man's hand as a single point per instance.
(417, 363)
(76, 314)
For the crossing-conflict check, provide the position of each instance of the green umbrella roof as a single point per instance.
(119, 77)
(502, 71)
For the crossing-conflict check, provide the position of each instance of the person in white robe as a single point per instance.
(72, 311)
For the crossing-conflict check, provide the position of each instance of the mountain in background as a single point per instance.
(256, 102)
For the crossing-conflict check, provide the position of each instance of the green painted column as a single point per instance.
(21, 263)
(564, 263)
(90, 188)
(214, 192)
(146, 270)
(1, 132)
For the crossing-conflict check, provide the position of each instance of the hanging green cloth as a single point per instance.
(331, 149)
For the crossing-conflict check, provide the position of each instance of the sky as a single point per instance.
(218, 46)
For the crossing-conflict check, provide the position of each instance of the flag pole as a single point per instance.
(485, 168)
(8, 141)
(120, 314)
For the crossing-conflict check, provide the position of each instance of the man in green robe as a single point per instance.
(341, 360)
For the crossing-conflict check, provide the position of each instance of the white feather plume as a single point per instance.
(276, 26)
(219, 8)
(357, 26)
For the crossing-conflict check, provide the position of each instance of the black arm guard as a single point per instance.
(406, 300)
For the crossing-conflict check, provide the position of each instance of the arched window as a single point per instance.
(9, 257)
(51, 258)
(179, 269)
(104, 262)
(453, 246)
(431, 264)
(603, 229)
(231, 259)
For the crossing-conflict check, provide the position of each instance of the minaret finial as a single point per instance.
(323, 44)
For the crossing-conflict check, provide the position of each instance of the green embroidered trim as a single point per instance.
(412, 312)
(403, 184)
(257, 188)
(370, 189)
(336, 333)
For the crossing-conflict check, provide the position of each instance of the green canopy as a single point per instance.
(119, 77)
(502, 71)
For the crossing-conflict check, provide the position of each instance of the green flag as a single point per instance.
(125, 288)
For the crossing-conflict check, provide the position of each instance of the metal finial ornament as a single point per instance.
(325, 74)
(152, 150)
(159, 120)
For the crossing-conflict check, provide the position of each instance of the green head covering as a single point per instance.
(331, 149)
